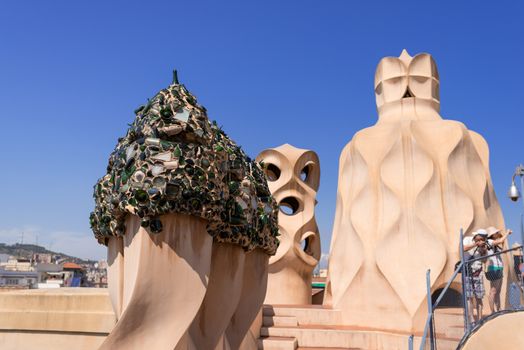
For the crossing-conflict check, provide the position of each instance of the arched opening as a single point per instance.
(452, 298)
(272, 172)
(289, 205)
(408, 93)
(307, 244)
(304, 173)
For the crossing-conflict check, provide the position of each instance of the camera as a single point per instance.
(513, 193)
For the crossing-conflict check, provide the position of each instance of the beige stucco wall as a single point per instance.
(65, 318)
(49, 341)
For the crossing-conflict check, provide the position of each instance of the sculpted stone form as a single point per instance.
(501, 332)
(406, 186)
(190, 224)
(293, 178)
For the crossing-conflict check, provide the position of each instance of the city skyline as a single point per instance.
(73, 74)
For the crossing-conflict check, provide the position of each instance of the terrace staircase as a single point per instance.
(312, 327)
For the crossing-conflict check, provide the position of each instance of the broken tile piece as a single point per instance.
(157, 170)
(171, 130)
(164, 156)
(182, 115)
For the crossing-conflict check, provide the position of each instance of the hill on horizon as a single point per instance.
(26, 251)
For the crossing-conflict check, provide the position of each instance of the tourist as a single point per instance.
(518, 264)
(495, 266)
(475, 247)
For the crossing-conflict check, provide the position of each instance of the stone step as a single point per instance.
(323, 348)
(450, 322)
(277, 343)
(450, 315)
(280, 321)
(347, 338)
(305, 314)
(454, 332)
(271, 309)
(445, 344)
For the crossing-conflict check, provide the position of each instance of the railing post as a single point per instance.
(430, 309)
(463, 272)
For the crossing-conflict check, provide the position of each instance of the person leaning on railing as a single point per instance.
(475, 247)
(495, 266)
(518, 264)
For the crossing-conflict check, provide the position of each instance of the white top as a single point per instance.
(494, 260)
(473, 253)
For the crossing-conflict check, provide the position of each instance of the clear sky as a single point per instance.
(271, 72)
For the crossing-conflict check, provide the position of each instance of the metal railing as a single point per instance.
(514, 295)
(429, 328)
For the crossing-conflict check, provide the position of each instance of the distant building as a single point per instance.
(17, 264)
(17, 273)
(102, 264)
(18, 279)
(73, 275)
(96, 275)
(42, 258)
(49, 275)
(41, 272)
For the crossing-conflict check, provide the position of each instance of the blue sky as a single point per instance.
(271, 72)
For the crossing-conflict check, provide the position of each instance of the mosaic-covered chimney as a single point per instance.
(189, 223)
